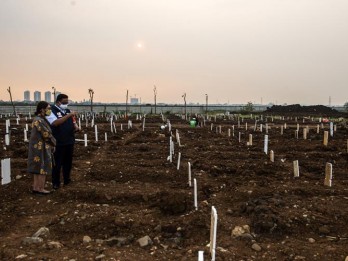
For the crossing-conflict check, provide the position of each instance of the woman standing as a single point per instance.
(41, 147)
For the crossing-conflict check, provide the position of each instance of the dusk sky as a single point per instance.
(289, 51)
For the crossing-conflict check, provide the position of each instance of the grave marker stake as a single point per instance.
(296, 169)
(5, 171)
(271, 156)
(328, 175)
(189, 174)
(213, 230)
(195, 194)
(179, 158)
(265, 146)
(326, 138)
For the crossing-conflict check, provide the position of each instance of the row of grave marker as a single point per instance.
(214, 216)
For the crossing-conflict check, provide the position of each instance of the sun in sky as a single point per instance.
(139, 45)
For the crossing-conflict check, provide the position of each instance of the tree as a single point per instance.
(91, 94)
(184, 96)
(14, 108)
(249, 107)
(346, 106)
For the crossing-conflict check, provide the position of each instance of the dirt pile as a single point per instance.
(298, 109)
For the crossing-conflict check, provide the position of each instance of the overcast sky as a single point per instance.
(285, 51)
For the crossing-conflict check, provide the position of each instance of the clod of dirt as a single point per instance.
(172, 203)
(325, 230)
(264, 215)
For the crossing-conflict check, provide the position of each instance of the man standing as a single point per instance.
(63, 126)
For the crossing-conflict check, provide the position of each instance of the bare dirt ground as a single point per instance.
(125, 189)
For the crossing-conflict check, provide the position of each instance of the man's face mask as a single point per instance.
(64, 106)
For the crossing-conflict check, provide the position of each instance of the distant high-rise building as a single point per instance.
(48, 96)
(57, 93)
(27, 96)
(134, 100)
(37, 96)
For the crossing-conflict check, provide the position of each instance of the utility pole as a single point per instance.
(127, 105)
(54, 94)
(155, 96)
(13, 106)
(206, 104)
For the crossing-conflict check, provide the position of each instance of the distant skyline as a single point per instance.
(289, 51)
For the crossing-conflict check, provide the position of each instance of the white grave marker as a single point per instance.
(250, 139)
(7, 139)
(326, 138)
(5, 171)
(195, 193)
(265, 146)
(304, 133)
(189, 174)
(25, 135)
(96, 132)
(271, 156)
(296, 169)
(200, 255)
(213, 230)
(179, 158)
(331, 129)
(328, 175)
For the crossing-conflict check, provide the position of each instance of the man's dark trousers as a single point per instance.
(63, 157)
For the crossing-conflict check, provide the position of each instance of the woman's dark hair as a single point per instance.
(61, 96)
(41, 105)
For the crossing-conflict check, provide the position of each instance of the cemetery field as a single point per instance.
(125, 189)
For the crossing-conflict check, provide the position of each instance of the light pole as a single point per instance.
(184, 96)
(155, 96)
(54, 94)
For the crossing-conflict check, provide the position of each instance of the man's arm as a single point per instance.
(63, 119)
(54, 121)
